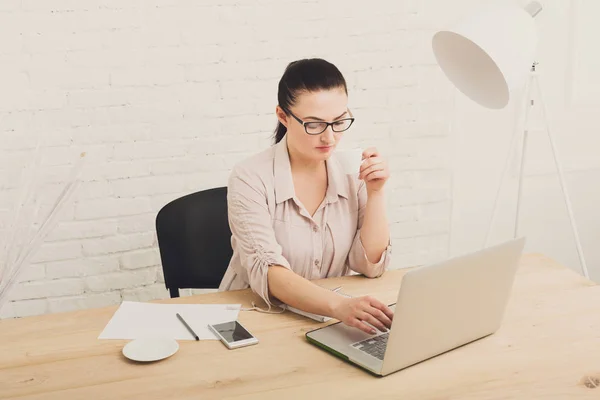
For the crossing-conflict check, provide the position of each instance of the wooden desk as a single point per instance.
(548, 348)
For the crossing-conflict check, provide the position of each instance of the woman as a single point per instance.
(295, 216)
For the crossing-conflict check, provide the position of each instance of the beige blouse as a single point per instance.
(270, 226)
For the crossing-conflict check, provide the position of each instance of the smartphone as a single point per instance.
(233, 334)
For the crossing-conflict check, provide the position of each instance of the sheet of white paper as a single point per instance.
(133, 320)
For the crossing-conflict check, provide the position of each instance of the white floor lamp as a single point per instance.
(487, 56)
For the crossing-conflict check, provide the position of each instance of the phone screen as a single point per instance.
(232, 331)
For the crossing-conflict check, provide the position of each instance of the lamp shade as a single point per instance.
(489, 53)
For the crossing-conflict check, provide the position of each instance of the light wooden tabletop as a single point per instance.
(547, 348)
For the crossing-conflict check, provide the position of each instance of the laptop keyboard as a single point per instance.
(374, 346)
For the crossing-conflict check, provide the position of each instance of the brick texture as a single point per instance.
(165, 96)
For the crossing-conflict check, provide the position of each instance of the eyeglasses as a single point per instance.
(316, 128)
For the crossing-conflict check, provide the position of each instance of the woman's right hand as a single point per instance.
(356, 311)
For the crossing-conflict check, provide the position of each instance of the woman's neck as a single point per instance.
(302, 165)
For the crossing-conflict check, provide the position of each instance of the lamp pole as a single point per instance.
(534, 8)
(534, 81)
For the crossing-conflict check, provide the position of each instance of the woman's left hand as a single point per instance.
(374, 170)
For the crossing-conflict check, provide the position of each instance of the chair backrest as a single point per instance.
(194, 240)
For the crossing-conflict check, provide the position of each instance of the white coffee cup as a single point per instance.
(350, 160)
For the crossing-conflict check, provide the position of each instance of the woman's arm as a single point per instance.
(375, 233)
(301, 293)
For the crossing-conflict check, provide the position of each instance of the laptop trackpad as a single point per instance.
(340, 337)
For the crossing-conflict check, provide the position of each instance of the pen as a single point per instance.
(188, 327)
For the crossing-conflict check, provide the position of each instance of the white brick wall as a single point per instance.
(166, 96)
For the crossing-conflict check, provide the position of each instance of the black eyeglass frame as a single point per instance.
(327, 124)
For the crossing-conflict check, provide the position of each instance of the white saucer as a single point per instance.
(150, 349)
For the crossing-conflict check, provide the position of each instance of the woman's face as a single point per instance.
(325, 105)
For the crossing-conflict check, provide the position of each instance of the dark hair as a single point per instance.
(307, 75)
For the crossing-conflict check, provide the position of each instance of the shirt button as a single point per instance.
(317, 263)
(315, 229)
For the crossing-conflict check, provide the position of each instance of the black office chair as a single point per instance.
(194, 240)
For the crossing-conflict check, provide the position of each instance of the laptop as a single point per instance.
(440, 307)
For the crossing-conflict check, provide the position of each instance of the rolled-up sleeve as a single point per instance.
(357, 256)
(250, 224)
